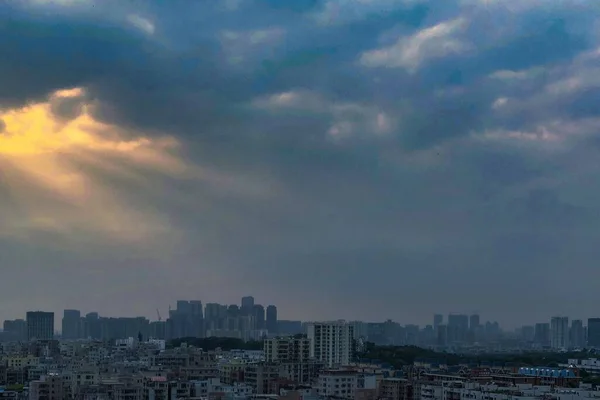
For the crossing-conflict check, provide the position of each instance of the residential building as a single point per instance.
(336, 383)
(260, 376)
(258, 312)
(271, 319)
(577, 334)
(542, 334)
(287, 349)
(593, 332)
(559, 332)
(71, 324)
(48, 388)
(15, 330)
(40, 325)
(331, 343)
(247, 305)
(395, 389)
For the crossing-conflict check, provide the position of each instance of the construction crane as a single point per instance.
(159, 317)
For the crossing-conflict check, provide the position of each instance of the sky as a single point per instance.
(364, 159)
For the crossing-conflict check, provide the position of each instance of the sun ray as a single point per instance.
(39, 156)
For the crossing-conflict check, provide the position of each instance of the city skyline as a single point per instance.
(362, 160)
(159, 315)
(254, 322)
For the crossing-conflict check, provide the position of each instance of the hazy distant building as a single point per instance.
(442, 335)
(196, 309)
(411, 335)
(183, 308)
(247, 305)
(40, 325)
(528, 333)
(15, 330)
(158, 330)
(233, 311)
(577, 334)
(457, 326)
(271, 319)
(542, 334)
(186, 320)
(92, 328)
(438, 319)
(331, 343)
(258, 312)
(71, 324)
(593, 332)
(286, 327)
(215, 316)
(559, 332)
(474, 322)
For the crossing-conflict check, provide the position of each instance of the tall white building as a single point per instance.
(331, 342)
(559, 332)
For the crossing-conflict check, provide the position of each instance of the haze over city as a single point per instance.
(363, 160)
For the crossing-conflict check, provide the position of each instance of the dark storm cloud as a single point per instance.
(430, 168)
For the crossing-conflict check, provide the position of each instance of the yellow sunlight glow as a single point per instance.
(45, 165)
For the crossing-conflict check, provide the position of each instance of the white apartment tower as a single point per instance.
(331, 342)
(559, 332)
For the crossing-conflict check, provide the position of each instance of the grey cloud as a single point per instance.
(435, 200)
(67, 108)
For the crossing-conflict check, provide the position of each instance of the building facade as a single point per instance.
(593, 332)
(331, 342)
(559, 332)
(40, 325)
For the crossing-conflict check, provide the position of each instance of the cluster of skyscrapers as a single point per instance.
(248, 321)
(251, 321)
(557, 334)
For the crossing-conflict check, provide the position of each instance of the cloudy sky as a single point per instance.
(350, 159)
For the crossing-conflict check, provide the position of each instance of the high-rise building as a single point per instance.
(92, 326)
(331, 343)
(233, 311)
(542, 334)
(258, 312)
(577, 334)
(15, 329)
(186, 320)
(527, 333)
(196, 308)
(183, 308)
(458, 326)
(71, 324)
(40, 325)
(215, 316)
(442, 335)
(474, 322)
(271, 319)
(593, 332)
(438, 319)
(247, 305)
(287, 327)
(559, 332)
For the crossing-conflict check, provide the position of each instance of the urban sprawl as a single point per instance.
(238, 352)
